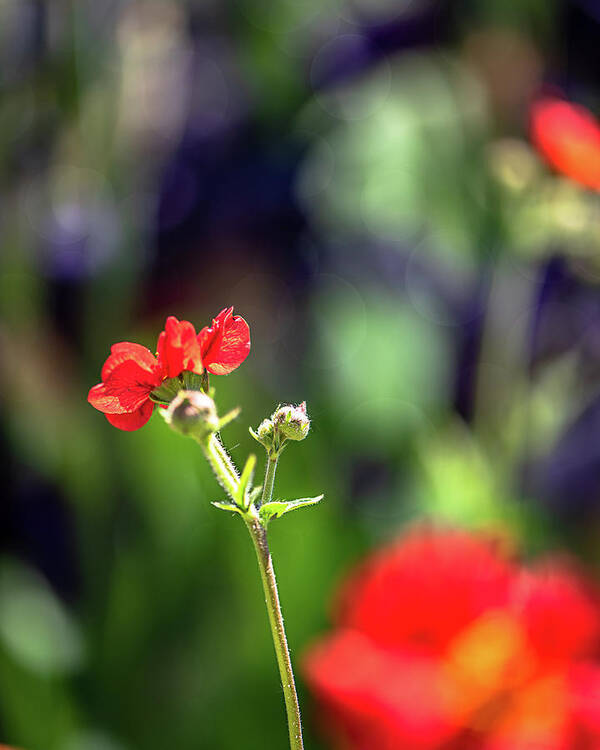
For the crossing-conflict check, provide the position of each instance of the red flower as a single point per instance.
(131, 372)
(568, 136)
(440, 643)
(462, 578)
(178, 348)
(129, 375)
(225, 344)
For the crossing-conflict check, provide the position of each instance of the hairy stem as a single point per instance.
(267, 574)
(228, 478)
(225, 458)
(221, 464)
(267, 492)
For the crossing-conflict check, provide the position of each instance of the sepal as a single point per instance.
(229, 417)
(255, 494)
(264, 433)
(227, 506)
(245, 486)
(166, 391)
(278, 508)
(192, 381)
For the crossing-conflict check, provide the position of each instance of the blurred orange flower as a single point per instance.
(443, 644)
(568, 136)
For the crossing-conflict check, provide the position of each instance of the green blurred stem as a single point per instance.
(267, 492)
(267, 574)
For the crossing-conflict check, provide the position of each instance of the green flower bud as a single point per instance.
(265, 430)
(292, 422)
(192, 413)
(264, 434)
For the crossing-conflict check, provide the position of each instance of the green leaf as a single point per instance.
(227, 506)
(278, 508)
(245, 487)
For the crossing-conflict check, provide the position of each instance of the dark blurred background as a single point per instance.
(355, 176)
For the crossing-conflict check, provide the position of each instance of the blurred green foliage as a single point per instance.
(418, 159)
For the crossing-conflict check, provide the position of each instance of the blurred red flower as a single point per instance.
(568, 136)
(132, 372)
(442, 644)
(225, 344)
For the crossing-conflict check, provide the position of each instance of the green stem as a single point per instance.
(225, 458)
(228, 478)
(221, 464)
(267, 574)
(267, 492)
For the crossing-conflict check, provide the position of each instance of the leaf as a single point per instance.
(245, 486)
(227, 506)
(278, 508)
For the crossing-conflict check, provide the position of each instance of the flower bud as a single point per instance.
(292, 422)
(264, 434)
(265, 430)
(192, 413)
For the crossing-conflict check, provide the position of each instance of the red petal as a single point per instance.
(178, 348)
(424, 589)
(559, 611)
(133, 420)
(125, 351)
(130, 373)
(374, 698)
(584, 679)
(226, 343)
(101, 400)
(569, 138)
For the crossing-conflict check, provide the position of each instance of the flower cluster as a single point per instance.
(132, 373)
(568, 136)
(441, 642)
(288, 422)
